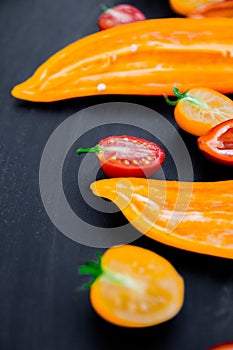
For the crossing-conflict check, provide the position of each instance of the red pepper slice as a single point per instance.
(118, 15)
(217, 143)
(127, 156)
(223, 346)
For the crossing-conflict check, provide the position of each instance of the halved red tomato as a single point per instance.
(118, 15)
(127, 156)
(217, 143)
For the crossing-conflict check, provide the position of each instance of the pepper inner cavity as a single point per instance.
(226, 140)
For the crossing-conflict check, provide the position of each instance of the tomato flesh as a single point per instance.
(128, 156)
(217, 143)
(118, 15)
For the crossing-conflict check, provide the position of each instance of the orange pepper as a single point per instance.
(146, 57)
(184, 7)
(219, 9)
(134, 287)
(194, 216)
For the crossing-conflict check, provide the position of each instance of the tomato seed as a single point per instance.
(144, 307)
(126, 162)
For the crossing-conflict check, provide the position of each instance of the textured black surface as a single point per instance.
(38, 264)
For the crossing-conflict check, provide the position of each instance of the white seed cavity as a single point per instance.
(141, 270)
(151, 266)
(118, 302)
(132, 306)
(144, 307)
(101, 87)
(134, 48)
(134, 264)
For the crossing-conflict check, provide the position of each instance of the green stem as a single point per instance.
(95, 149)
(95, 270)
(169, 102)
(185, 96)
(104, 8)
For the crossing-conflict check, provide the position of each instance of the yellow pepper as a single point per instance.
(147, 58)
(194, 216)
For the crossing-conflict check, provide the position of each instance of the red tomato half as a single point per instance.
(223, 346)
(217, 143)
(120, 14)
(127, 156)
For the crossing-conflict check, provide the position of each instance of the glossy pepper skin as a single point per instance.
(185, 7)
(194, 216)
(217, 143)
(222, 346)
(216, 9)
(142, 58)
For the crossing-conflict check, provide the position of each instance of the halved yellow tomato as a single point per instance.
(134, 287)
(200, 109)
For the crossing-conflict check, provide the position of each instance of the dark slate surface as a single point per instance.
(38, 265)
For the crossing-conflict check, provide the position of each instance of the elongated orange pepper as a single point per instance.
(196, 216)
(184, 7)
(219, 9)
(147, 58)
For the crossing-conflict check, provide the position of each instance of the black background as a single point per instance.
(38, 265)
